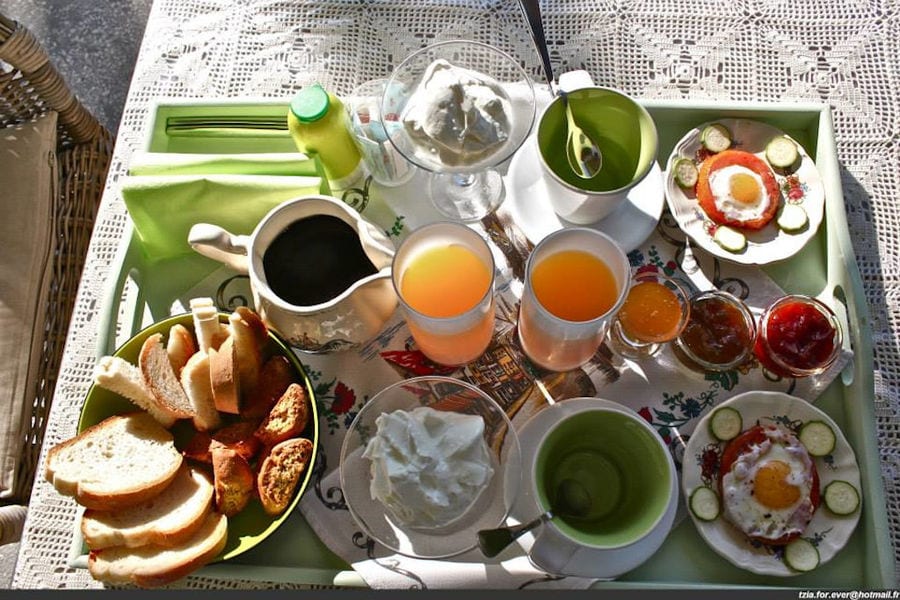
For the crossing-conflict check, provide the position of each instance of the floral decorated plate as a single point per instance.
(800, 185)
(827, 532)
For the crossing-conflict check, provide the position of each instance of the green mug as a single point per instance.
(623, 130)
(621, 466)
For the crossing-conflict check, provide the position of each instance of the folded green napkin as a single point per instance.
(166, 195)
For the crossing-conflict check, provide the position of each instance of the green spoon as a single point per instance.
(572, 500)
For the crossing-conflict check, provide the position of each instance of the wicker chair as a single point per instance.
(30, 86)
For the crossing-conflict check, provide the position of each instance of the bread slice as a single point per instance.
(276, 375)
(210, 331)
(180, 347)
(223, 375)
(120, 462)
(287, 419)
(153, 566)
(169, 519)
(250, 336)
(280, 473)
(161, 379)
(198, 387)
(233, 481)
(120, 376)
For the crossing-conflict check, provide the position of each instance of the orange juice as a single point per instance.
(574, 285)
(445, 281)
(449, 287)
(651, 313)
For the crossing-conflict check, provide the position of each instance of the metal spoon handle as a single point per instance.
(532, 11)
(493, 541)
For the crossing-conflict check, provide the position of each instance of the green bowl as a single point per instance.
(252, 525)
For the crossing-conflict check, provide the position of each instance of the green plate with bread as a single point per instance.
(252, 524)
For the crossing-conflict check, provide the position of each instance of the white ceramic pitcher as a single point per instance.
(345, 321)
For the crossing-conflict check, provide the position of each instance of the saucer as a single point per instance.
(577, 560)
(629, 225)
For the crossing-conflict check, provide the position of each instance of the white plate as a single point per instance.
(769, 244)
(629, 225)
(829, 533)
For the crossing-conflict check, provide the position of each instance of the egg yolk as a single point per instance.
(771, 488)
(744, 188)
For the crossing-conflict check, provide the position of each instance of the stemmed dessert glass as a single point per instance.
(460, 122)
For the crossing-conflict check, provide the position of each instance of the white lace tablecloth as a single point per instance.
(844, 54)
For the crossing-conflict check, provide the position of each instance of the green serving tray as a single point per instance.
(826, 267)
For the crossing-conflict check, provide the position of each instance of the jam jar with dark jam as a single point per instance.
(719, 333)
(798, 336)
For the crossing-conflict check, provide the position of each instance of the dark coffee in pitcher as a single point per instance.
(314, 260)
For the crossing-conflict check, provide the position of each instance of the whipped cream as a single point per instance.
(463, 114)
(428, 466)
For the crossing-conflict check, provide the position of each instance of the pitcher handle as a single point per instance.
(214, 242)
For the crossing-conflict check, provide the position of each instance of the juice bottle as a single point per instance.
(319, 125)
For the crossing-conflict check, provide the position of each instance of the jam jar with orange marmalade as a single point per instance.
(798, 336)
(719, 334)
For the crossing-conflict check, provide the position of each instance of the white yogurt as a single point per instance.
(463, 114)
(428, 466)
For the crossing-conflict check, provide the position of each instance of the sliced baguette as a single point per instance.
(153, 566)
(197, 385)
(120, 462)
(233, 481)
(280, 472)
(180, 347)
(169, 519)
(223, 375)
(287, 419)
(210, 332)
(250, 336)
(120, 376)
(161, 379)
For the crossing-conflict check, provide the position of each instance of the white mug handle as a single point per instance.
(214, 242)
(574, 80)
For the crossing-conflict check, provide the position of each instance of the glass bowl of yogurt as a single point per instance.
(427, 463)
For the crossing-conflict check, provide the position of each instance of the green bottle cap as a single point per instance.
(310, 104)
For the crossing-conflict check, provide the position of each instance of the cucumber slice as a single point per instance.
(818, 437)
(716, 137)
(792, 218)
(725, 423)
(704, 503)
(782, 152)
(841, 497)
(685, 172)
(730, 239)
(801, 555)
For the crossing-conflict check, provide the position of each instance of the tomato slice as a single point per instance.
(745, 159)
(742, 444)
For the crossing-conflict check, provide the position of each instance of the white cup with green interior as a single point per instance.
(624, 469)
(623, 130)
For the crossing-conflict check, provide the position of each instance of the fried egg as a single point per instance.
(767, 491)
(739, 193)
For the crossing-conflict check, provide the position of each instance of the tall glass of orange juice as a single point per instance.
(655, 312)
(444, 276)
(575, 281)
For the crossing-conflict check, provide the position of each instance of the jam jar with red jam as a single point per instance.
(719, 333)
(798, 336)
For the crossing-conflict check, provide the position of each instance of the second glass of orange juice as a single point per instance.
(575, 281)
(444, 276)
